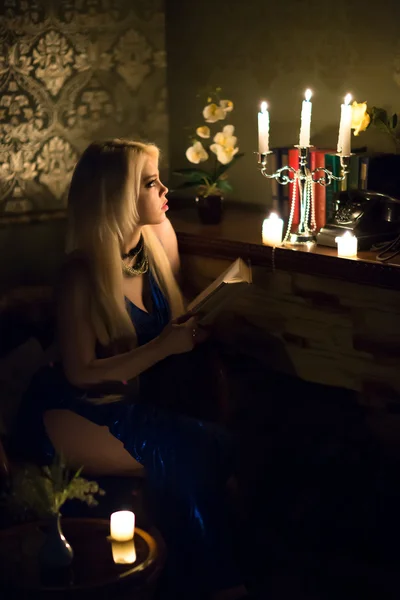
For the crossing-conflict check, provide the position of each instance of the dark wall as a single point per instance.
(30, 253)
(275, 50)
(73, 71)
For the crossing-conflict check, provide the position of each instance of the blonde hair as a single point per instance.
(102, 214)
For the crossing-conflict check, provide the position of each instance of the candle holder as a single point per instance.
(304, 180)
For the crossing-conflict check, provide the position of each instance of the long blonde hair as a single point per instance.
(102, 214)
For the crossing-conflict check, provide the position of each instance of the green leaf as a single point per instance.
(379, 116)
(381, 125)
(188, 184)
(224, 185)
(221, 170)
(191, 174)
(78, 473)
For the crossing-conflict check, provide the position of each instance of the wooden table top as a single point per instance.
(92, 566)
(239, 234)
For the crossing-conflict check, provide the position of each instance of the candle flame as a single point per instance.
(308, 95)
(347, 99)
(264, 107)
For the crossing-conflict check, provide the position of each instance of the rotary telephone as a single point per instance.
(372, 217)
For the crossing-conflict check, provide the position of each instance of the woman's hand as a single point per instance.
(183, 334)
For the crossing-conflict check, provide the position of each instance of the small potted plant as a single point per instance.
(219, 151)
(40, 492)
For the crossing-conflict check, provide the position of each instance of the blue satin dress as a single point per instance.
(187, 461)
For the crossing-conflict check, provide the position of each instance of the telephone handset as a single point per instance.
(372, 217)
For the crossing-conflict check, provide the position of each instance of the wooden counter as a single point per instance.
(331, 320)
(239, 234)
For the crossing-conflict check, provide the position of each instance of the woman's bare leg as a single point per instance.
(82, 442)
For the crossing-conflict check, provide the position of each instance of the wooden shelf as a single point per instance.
(239, 234)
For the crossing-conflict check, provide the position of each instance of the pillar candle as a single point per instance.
(344, 138)
(305, 125)
(263, 129)
(272, 230)
(122, 525)
(347, 244)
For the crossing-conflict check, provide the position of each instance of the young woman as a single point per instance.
(120, 313)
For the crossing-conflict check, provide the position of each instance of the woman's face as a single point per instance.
(152, 201)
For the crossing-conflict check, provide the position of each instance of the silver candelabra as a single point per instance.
(304, 180)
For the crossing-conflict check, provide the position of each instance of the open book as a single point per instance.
(210, 302)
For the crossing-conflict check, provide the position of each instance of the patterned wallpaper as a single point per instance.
(72, 71)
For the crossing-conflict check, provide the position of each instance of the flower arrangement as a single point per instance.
(44, 490)
(219, 150)
(363, 117)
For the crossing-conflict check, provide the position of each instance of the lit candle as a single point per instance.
(123, 553)
(272, 230)
(305, 125)
(347, 244)
(344, 139)
(122, 525)
(263, 129)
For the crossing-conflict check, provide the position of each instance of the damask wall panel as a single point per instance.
(72, 71)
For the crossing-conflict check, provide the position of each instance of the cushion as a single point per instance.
(16, 371)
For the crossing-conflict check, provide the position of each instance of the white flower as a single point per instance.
(213, 113)
(224, 155)
(203, 132)
(224, 146)
(196, 153)
(226, 105)
(225, 137)
(228, 130)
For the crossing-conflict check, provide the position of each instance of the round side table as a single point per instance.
(92, 574)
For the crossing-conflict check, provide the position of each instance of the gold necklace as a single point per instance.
(141, 265)
(140, 268)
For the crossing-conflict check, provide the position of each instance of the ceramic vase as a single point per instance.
(210, 209)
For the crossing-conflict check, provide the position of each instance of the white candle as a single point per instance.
(263, 129)
(122, 525)
(344, 138)
(123, 553)
(305, 125)
(272, 230)
(347, 244)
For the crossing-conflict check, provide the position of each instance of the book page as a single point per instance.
(219, 301)
(236, 273)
